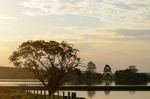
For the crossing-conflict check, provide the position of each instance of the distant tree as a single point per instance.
(107, 70)
(91, 67)
(50, 61)
(76, 77)
(132, 68)
(77, 71)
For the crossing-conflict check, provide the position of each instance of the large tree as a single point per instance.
(50, 61)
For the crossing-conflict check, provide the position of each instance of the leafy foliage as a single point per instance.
(132, 68)
(50, 61)
(107, 70)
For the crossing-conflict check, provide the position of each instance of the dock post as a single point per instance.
(58, 94)
(69, 95)
(44, 94)
(34, 91)
(63, 95)
(53, 95)
(37, 92)
(41, 91)
(73, 95)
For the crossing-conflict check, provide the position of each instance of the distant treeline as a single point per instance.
(83, 77)
(87, 78)
(128, 77)
(121, 77)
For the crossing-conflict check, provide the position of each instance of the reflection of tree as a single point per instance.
(107, 82)
(132, 92)
(107, 92)
(91, 93)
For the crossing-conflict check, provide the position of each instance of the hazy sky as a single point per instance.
(115, 32)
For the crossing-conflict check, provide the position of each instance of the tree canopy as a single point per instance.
(50, 61)
(91, 67)
(107, 70)
(132, 68)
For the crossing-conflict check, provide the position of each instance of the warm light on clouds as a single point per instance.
(9, 18)
(115, 32)
(109, 12)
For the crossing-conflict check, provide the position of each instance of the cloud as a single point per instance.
(91, 34)
(111, 12)
(94, 34)
(136, 34)
(8, 17)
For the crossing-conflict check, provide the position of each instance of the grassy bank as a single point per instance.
(15, 73)
(20, 94)
(31, 96)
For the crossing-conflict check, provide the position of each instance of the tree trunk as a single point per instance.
(52, 89)
(50, 92)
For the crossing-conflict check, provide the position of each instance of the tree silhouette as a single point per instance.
(91, 67)
(132, 68)
(107, 70)
(50, 61)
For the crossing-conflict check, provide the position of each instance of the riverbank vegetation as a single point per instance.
(78, 77)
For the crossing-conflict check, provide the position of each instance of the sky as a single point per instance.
(114, 32)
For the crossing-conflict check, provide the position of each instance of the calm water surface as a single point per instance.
(86, 94)
(18, 82)
(115, 94)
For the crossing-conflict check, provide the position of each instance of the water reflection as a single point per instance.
(91, 93)
(18, 82)
(107, 82)
(132, 92)
(107, 92)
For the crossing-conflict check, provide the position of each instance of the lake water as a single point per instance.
(115, 94)
(86, 94)
(18, 82)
